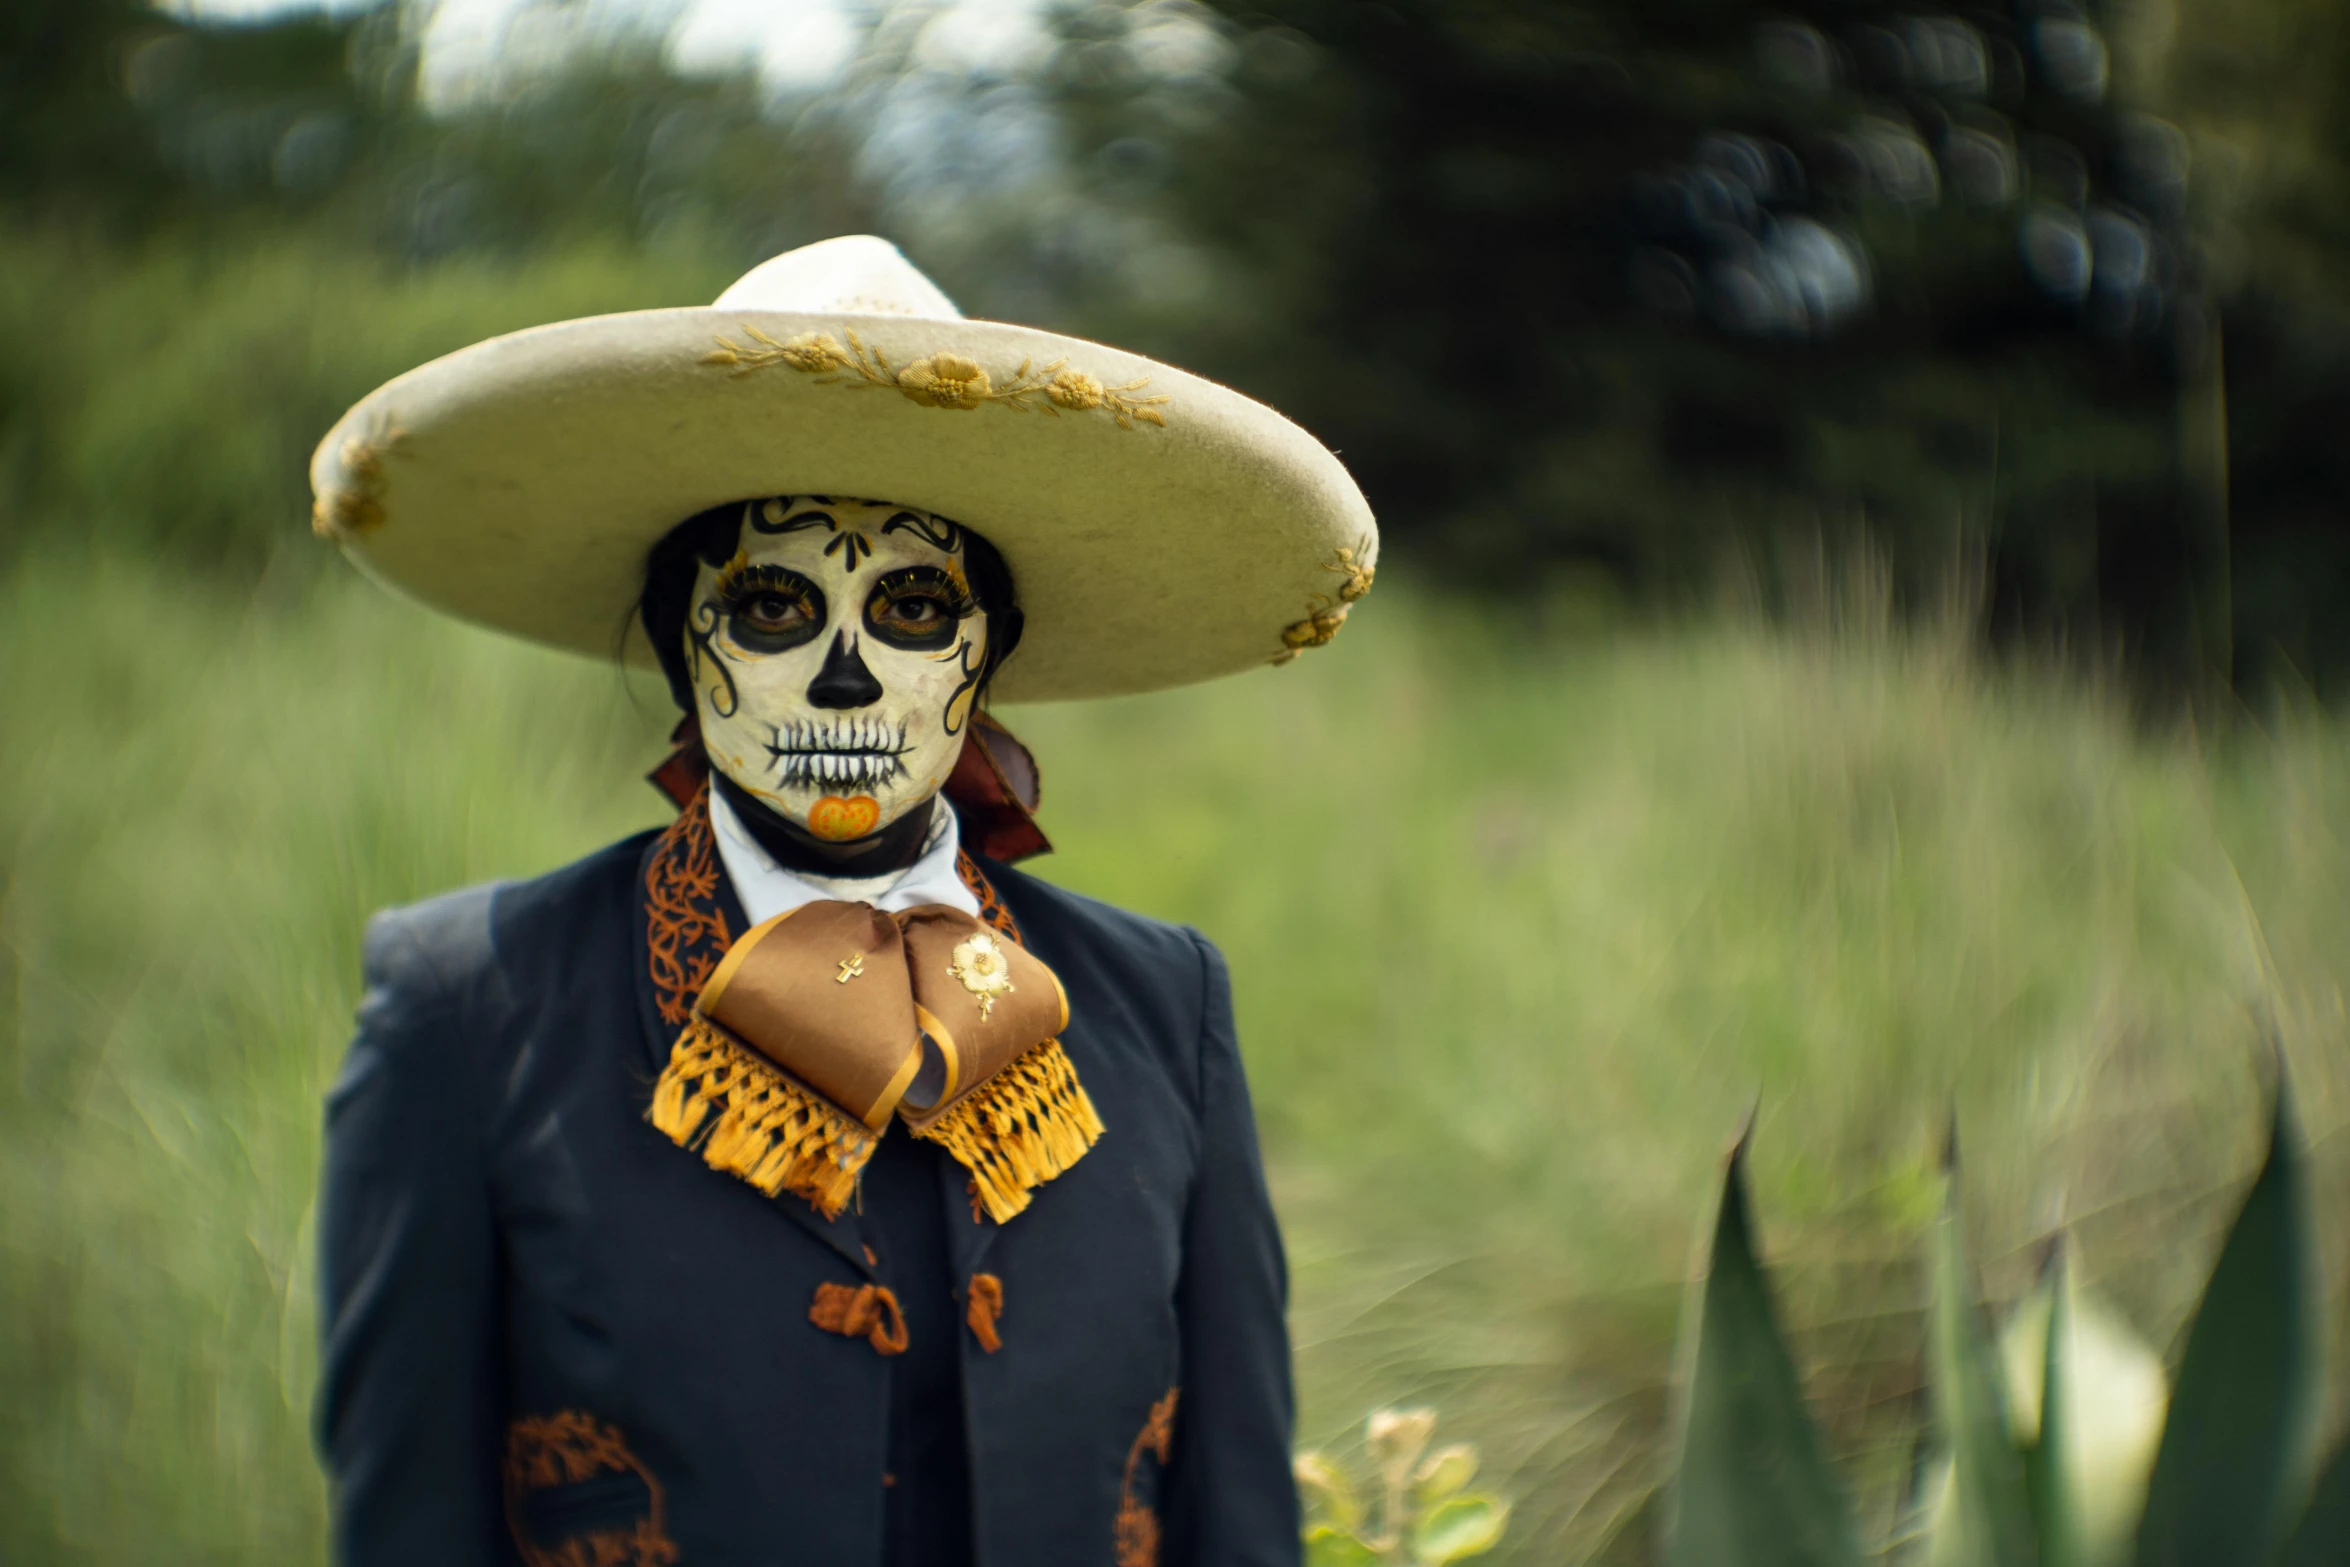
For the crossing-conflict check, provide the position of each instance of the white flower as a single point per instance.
(983, 970)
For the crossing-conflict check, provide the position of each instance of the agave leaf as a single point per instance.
(1454, 1530)
(2233, 1446)
(1328, 1547)
(2065, 1348)
(1989, 1522)
(1753, 1487)
(2049, 1476)
(2322, 1538)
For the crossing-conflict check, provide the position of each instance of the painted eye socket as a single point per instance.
(917, 613)
(771, 612)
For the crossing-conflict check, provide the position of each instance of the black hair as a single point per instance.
(711, 537)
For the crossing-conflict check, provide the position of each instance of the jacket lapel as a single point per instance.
(842, 1234)
(969, 1232)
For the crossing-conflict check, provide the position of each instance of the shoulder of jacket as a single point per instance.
(1074, 915)
(450, 950)
(1170, 980)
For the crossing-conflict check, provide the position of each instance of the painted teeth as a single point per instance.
(859, 753)
(862, 733)
(864, 770)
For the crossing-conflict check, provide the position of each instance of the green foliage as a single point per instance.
(1518, 916)
(1243, 185)
(170, 398)
(2232, 1455)
(2088, 1400)
(1991, 1522)
(1483, 250)
(2054, 1523)
(63, 121)
(1516, 912)
(1421, 1512)
(1752, 1488)
(2322, 1538)
(2226, 1480)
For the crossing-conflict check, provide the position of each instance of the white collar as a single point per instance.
(767, 889)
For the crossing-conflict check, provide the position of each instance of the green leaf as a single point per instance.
(2110, 1396)
(2049, 1481)
(1753, 1487)
(1462, 1527)
(2322, 1538)
(1329, 1496)
(1447, 1472)
(2233, 1446)
(1328, 1547)
(1990, 1515)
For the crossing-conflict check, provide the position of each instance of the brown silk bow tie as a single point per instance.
(822, 1021)
(879, 1012)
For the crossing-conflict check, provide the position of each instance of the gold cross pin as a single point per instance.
(850, 967)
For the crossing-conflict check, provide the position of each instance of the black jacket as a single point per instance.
(552, 1335)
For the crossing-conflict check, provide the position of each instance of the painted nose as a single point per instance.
(844, 681)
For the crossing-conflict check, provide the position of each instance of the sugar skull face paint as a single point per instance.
(835, 659)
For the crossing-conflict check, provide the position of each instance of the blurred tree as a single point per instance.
(1571, 283)
(271, 206)
(1622, 282)
(158, 123)
(61, 111)
(2256, 86)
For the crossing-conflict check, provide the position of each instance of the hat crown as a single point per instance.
(856, 274)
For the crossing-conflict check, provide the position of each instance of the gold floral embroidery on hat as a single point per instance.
(940, 380)
(980, 967)
(354, 508)
(1325, 613)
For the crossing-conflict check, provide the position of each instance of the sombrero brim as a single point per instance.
(1160, 528)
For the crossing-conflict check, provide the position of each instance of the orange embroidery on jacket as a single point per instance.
(1136, 1543)
(867, 1311)
(983, 1307)
(685, 925)
(1027, 1127)
(991, 905)
(545, 1452)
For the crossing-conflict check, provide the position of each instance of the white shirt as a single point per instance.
(767, 889)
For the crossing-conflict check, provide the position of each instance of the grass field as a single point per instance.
(1522, 919)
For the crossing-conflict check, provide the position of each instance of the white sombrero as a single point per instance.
(1160, 528)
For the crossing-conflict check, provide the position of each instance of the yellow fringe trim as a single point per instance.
(750, 1120)
(1023, 1126)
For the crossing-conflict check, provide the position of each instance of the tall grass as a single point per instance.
(1521, 924)
(172, 394)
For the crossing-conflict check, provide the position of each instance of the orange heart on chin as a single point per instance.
(836, 820)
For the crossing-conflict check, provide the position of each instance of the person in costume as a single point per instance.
(801, 1183)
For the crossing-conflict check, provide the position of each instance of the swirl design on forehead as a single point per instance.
(937, 532)
(775, 515)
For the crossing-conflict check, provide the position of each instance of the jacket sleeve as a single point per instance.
(408, 1389)
(1230, 1498)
